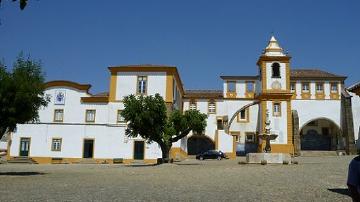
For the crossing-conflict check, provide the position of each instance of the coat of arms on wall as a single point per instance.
(59, 97)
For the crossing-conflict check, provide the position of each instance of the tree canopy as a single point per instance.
(148, 118)
(21, 93)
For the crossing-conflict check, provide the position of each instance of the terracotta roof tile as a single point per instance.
(314, 73)
(354, 86)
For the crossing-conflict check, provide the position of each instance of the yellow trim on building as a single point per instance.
(169, 88)
(113, 81)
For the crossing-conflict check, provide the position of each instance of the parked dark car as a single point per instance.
(211, 154)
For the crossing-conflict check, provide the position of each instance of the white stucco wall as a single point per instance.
(309, 110)
(126, 83)
(109, 142)
(225, 142)
(278, 123)
(355, 101)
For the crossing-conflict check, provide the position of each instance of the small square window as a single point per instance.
(142, 85)
(212, 107)
(319, 87)
(56, 144)
(58, 115)
(231, 86)
(243, 115)
(192, 105)
(276, 109)
(220, 124)
(250, 86)
(250, 137)
(292, 87)
(334, 87)
(305, 87)
(90, 115)
(120, 118)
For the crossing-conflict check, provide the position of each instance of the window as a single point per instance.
(275, 70)
(231, 86)
(243, 115)
(334, 87)
(58, 115)
(192, 105)
(250, 86)
(220, 124)
(56, 144)
(120, 118)
(90, 115)
(249, 137)
(141, 85)
(305, 87)
(212, 107)
(237, 138)
(276, 109)
(292, 87)
(319, 87)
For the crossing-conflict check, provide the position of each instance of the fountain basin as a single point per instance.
(277, 158)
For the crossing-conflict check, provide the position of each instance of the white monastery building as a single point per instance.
(309, 109)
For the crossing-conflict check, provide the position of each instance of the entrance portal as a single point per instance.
(88, 148)
(197, 144)
(139, 148)
(320, 135)
(24, 146)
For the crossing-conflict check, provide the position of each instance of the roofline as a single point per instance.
(354, 86)
(239, 77)
(203, 96)
(65, 83)
(150, 68)
(341, 78)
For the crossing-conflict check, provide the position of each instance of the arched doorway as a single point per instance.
(320, 135)
(197, 144)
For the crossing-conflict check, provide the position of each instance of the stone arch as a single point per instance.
(320, 133)
(237, 112)
(197, 144)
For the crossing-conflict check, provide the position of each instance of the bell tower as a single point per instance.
(275, 96)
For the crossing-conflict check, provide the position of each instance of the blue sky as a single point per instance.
(78, 40)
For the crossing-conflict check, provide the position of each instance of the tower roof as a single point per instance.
(273, 48)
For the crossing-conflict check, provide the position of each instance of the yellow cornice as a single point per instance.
(71, 84)
(273, 58)
(274, 96)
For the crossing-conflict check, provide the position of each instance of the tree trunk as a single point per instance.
(165, 150)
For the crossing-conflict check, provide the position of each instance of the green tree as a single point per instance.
(147, 117)
(21, 93)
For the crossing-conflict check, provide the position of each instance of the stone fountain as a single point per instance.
(267, 137)
(266, 156)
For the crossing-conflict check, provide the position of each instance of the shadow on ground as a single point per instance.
(187, 164)
(141, 165)
(343, 191)
(21, 173)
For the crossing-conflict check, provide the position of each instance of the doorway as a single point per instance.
(198, 144)
(88, 148)
(24, 146)
(139, 148)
